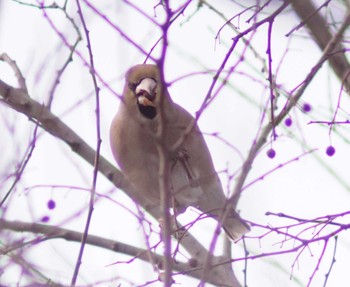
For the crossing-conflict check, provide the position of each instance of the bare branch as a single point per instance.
(293, 100)
(319, 29)
(98, 148)
(20, 101)
(190, 268)
(164, 162)
(18, 74)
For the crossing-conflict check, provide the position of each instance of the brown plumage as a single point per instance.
(194, 181)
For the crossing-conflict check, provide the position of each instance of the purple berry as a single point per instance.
(288, 122)
(271, 153)
(51, 204)
(306, 107)
(330, 151)
(45, 219)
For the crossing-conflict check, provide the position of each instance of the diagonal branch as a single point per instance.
(20, 101)
(98, 149)
(53, 232)
(328, 53)
(319, 29)
(189, 268)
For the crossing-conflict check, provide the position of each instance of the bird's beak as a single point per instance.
(145, 92)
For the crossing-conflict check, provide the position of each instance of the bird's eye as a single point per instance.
(132, 86)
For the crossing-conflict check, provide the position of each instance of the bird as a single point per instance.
(145, 105)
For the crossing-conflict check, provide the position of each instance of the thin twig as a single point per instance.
(98, 147)
(115, 27)
(216, 77)
(245, 270)
(22, 84)
(207, 99)
(306, 18)
(293, 100)
(164, 164)
(18, 74)
(263, 176)
(23, 103)
(69, 58)
(54, 232)
(22, 165)
(320, 31)
(78, 53)
(317, 267)
(271, 77)
(333, 261)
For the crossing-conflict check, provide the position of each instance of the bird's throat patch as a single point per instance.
(147, 111)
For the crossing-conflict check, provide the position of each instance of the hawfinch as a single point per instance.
(193, 180)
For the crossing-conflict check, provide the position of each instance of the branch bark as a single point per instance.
(328, 53)
(320, 31)
(54, 232)
(20, 101)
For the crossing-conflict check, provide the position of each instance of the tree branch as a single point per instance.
(293, 100)
(53, 232)
(98, 148)
(319, 29)
(20, 101)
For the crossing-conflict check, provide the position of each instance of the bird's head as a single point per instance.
(144, 89)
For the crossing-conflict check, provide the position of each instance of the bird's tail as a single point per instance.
(234, 226)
